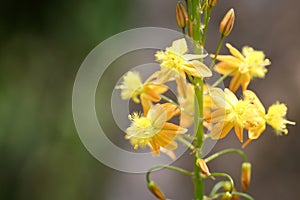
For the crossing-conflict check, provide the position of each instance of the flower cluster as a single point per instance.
(222, 110)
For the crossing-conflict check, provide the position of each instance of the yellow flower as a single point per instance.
(149, 92)
(153, 130)
(276, 118)
(175, 62)
(247, 113)
(243, 66)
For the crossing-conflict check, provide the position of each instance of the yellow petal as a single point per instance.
(146, 104)
(181, 86)
(234, 51)
(251, 96)
(179, 46)
(194, 56)
(230, 97)
(165, 140)
(157, 114)
(218, 97)
(170, 110)
(201, 68)
(155, 148)
(158, 88)
(235, 82)
(220, 130)
(230, 60)
(255, 132)
(224, 68)
(218, 115)
(239, 132)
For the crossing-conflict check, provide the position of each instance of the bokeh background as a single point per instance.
(42, 44)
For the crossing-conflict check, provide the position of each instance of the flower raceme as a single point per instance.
(153, 130)
(243, 67)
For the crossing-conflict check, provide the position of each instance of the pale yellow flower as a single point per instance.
(276, 118)
(175, 62)
(153, 130)
(148, 92)
(243, 66)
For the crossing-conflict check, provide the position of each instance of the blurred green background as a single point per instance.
(42, 44)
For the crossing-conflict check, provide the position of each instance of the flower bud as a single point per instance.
(227, 22)
(156, 191)
(227, 186)
(212, 3)
(226, 196)
(181, 15)
(246, 175)
(203, 166)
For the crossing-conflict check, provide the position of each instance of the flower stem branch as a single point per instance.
(218, 51)
(226, 176)
(177, 169)
(216, 188)
(220, 80)
(186, 143)
(226, 151)
(218, 195)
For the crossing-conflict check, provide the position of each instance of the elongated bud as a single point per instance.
(181, 15)
(156, 191)
(212, 3)
(227, 22)
(246, 175)
(203, 166)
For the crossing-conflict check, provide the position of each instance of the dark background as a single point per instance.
(42, 44)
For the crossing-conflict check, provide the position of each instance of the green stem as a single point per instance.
(241, 194)
(226, 176)
(198, 180)
(167, 99)
(177, 169)
(246, 196)
(207, 13)
(215, 189)
(226, 151)
(220, 80)
(189, 137)
(218, 51)
(196, 21)
(186, 143)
